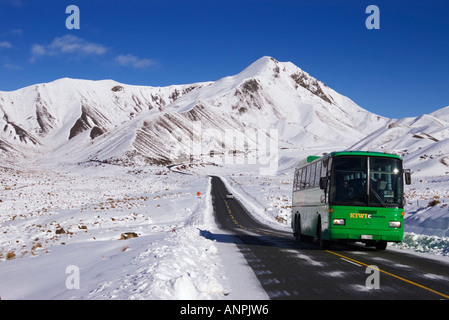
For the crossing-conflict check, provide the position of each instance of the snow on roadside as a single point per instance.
(180, 265)
(268, 198)
(427, 206)
(426, 244)
(59, 226)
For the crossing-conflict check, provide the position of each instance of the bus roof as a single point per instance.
(364, 153)
(348, 153)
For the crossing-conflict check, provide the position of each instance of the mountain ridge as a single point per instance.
(84, 120)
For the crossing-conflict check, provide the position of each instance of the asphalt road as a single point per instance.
(289, 269)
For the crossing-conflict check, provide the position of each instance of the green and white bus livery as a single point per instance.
(353, 196)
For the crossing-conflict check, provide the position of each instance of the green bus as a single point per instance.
(353, 196)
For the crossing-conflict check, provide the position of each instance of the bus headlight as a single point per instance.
(395, 224)
(339, 222)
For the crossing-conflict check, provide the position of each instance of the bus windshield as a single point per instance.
(366, 181)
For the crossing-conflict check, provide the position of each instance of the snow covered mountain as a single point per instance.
(43, 117)
(79, 120)
(423, 142)
(84, 120)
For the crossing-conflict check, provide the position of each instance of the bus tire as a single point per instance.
(297, 232)
(322, 243)
(381, 245)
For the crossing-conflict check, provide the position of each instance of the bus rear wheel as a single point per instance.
(297, 233)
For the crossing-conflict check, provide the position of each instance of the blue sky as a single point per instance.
(396, 71)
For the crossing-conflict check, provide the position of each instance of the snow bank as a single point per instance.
(425, 244)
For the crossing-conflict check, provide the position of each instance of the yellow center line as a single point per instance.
(243, 227)
(391, 274)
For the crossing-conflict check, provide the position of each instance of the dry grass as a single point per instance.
(10, 255)
(128, 235)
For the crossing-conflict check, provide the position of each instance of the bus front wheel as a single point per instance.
(381, 245)
(322, 243)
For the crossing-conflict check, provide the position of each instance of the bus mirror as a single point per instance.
(323, 183)
(408, 176)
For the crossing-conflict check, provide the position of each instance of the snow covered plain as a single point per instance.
(57, 225)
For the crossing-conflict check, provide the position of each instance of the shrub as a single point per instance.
(128, 235)
(433, 203)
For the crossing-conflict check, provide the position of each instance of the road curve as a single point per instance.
(288, 269)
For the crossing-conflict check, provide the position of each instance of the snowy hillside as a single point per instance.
(423, 142)
(81, 120)
(43, 117)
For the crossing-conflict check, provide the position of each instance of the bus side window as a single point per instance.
(324, 168)
(306, 177)
(297, 180)
(323, 174)
(317, 174)
(312, 176)
(302, 183)
(309, 175)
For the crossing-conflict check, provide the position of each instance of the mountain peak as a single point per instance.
(264, 62)
(260, 66)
